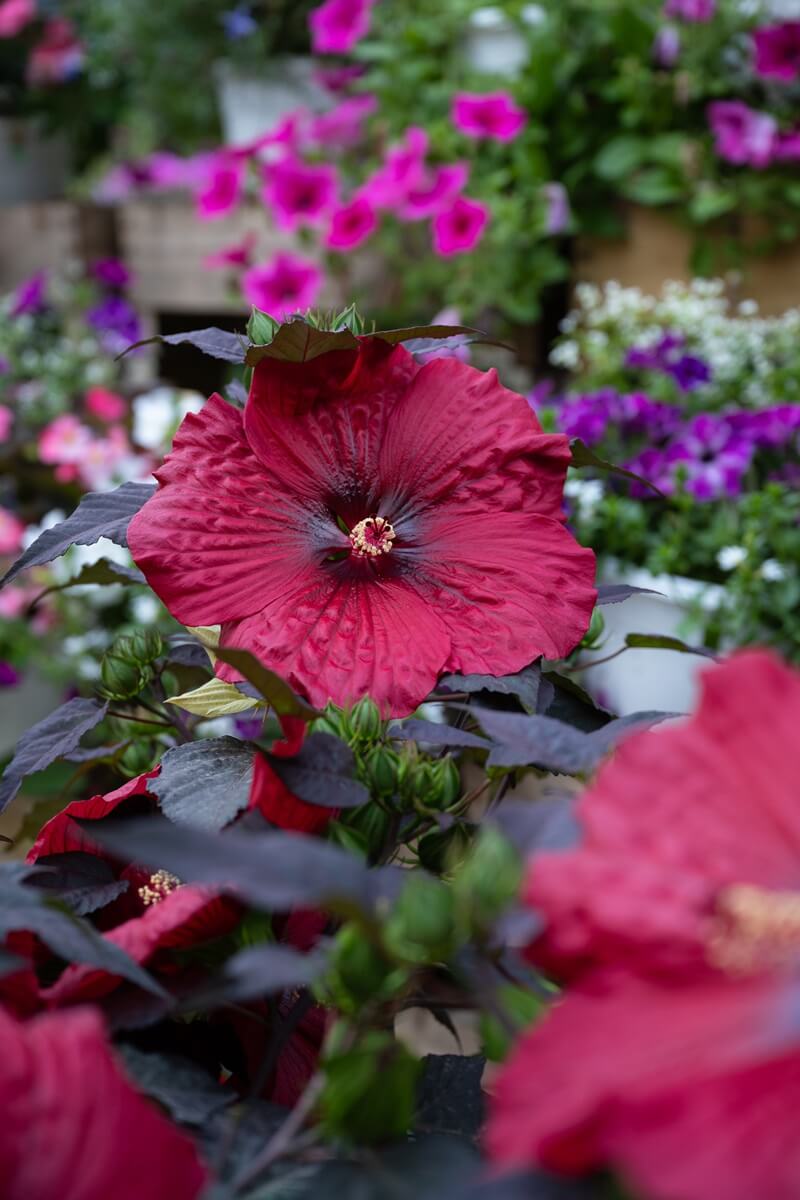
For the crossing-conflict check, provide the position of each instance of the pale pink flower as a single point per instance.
(351, 224)
(15, 15)
(343, 126)
(488, 115)
(436, 192)
(11, 531)
(64, 440)
(298, 193)
(460, 227)
(106, 405)
(283, 286)
(337, 25)
(6, 422)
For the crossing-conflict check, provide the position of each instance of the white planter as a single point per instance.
(640, 680)
(251, 103)
(496, 45)
(33, 165)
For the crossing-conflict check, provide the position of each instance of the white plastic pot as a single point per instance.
(496, 45)
(251, 103)
(33, 165)
(649, 679)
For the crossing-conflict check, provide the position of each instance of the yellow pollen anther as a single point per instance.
(754, 929)
(157, 887)
(372, 537)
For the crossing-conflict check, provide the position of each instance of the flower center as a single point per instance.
(755, 929)
(157, 887)
(372, 537)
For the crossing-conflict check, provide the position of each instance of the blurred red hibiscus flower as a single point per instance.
(368, 524)
(73, 1127)
(674, 1055)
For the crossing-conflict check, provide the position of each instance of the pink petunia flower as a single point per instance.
(299, 194)
(286, 285)
(6, 422)
(57, 57)
(402, 172)
(460, 227)
(15, 15)
(338, 79)
(741, 134)
(698, 11)
(337, 25)
(673, 1053)
(11, 532)
(221, 189)
(343, 125)
(64, 440)
(787, 146)
(778, 51)
(351, 224)
(356, 559)
(107, 405)
(488, 115)
(436, 192)
(238, 254)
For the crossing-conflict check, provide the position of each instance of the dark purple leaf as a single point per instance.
(216, 343)
(259, 971)
(428, 333)
(186, 1090)
(93, 753)
(434, 734)
(58, 734)
(322, 773)
(525, 685)
(449, 1095)
(547, 824)
(660, 641)
(186, 651)
(99, 514)
(205, 784)
(582, 456)
(236, 393)
(84, 882)
(615, 593)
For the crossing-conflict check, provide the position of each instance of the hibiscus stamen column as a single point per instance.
(372, 537)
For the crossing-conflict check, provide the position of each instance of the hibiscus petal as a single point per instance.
(218, 540)
(508, 586)
(350, 638)
(461, 439)
(270, 795)
(74, 1128)
(60, 835)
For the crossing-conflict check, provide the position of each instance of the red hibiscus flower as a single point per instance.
(675, 1054)
(368, 524)
(73, 1127)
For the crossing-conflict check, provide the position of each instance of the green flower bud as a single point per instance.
(370, 1089)
(137, 758)
(421, 927)
(325, 725)
(146, 645)
(594, 633)
(121, 678)
(359, 972)
(261, 328)
(365, 720)
(383, 771)
(448, 780)
(489, 879)
(371, 822)
(443, 849)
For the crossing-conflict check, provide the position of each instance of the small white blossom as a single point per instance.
(730, 557)
(773, 571)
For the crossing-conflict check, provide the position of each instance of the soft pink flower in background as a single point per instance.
(15, 15)
(11, 531)
(6, 422)
(107, 405)
(344, 124)
(446, 316)
(778, 51)
(109, 460)
(338, 79)
(221, 190)
(787, 147)
(64, 440)
(237, 254)
(558, 212)
(58, 56)
(299, 194)
(437, 191)
(351, 224)
(742, 135)
(460, 227)
(287, 284)
(337, 25)
(488, 115)
(691, 10)
(402, 172)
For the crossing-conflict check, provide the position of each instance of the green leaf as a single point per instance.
(214, 699)
(655, 186)
(582, 456)
(522, 1007)
(297, 342)
(620, 156)
(275, 690)
(102, 572)
(370, 1090)
(660, 641)
(711, 202)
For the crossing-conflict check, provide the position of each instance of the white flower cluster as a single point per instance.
(743, 349)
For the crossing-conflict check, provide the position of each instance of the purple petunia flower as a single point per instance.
(742, 135)
(9, 676)
(116, 323)
(688, 371)
(111, 272)
(30, 296)
(238, 23)
(711, 456)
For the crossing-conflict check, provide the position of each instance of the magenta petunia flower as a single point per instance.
(778, 51)
(220, 190)
(488, 115)
(436, 192)
(351, 224)
(460, 227)
(286, 285)
(111, 272)
(337, 25)
(787, 146)
(402, 172)
(238, 254)
(742, 135)
(15, 15)
(343, 125)
(299, 194)
(6, 421)
(30, 296)
(368, 524)
(699, 11)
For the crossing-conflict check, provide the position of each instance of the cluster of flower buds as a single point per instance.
(128, 664)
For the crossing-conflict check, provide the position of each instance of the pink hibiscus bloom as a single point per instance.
(375, 523)
(488, 115)
(351, 224)
(220, 191)
(337, 25)
(778, 51)
(286, 285)
(742, 135)
(460, 227)
(108, 406)
(73, 1126)
(403, 170)
(15, 15)
(6, 422)
(699, 11)
(238, 254)
(64, 440)
(299, 194)
(678, 918)
(11, 532)
(436, 192)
